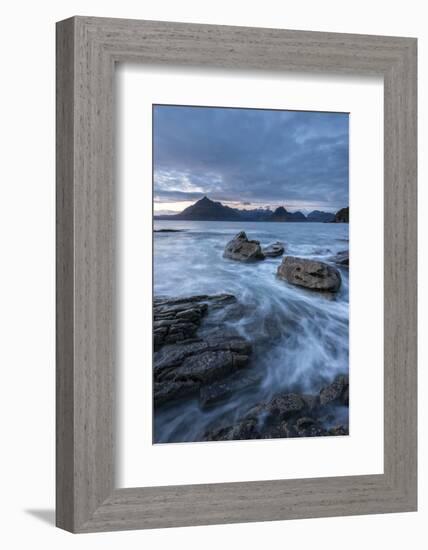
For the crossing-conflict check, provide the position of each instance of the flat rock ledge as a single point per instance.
(187, 365)
(290, 415)
(241, 249)
(311, 274)
(178, 319)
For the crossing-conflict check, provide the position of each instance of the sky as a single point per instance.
(249, 158)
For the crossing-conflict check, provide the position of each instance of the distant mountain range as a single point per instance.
(208, 210)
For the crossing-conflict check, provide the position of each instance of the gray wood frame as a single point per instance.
(87, 50)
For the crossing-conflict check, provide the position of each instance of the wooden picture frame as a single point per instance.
(87, 50)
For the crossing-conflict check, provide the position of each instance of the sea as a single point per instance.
(300, 337)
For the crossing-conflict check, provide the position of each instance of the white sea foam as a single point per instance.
(300, 337)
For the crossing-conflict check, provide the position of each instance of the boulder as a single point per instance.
(273, 250)
(241, 249)
(310, 274)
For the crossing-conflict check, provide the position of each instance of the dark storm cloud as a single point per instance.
(250, 156)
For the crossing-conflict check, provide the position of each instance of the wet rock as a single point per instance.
(289, 415)
(223, 389)
(337, 392)
(170, 391)
(341, 258)
(273, 250)
(339, 430)
(267, 420)
(309, 427)
(178, 319)
(247, 429)
(310, 274)
(283, 406)
(241, 249)
(182, 369)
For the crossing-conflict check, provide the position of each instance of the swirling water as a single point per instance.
(299, 337)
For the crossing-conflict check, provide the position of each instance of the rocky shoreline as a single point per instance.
(196, 358)
(186, 364)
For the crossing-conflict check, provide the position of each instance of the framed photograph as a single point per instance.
(236, 274)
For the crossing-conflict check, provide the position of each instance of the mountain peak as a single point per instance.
(207, 210)
(281, 210)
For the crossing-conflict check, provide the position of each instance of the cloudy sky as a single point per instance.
(249, 158)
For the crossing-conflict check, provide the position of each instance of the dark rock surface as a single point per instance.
(241, 249)
(289, 415)
(212, 394)
(310, 274)
(197, 356)
(273, 250)
(177, 320)
(184, 362)
(183, 369)
(337, 392)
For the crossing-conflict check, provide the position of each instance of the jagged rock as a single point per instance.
(273, 250)
(243, 250)
(310, 274)
(337, 392)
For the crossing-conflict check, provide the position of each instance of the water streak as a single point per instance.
(300, 337)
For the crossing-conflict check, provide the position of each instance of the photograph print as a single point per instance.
(250, 274)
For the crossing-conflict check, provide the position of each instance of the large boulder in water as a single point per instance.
(241, 249)
(273, 250)
(310, 274)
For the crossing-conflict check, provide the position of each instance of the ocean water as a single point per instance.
(299, 337)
